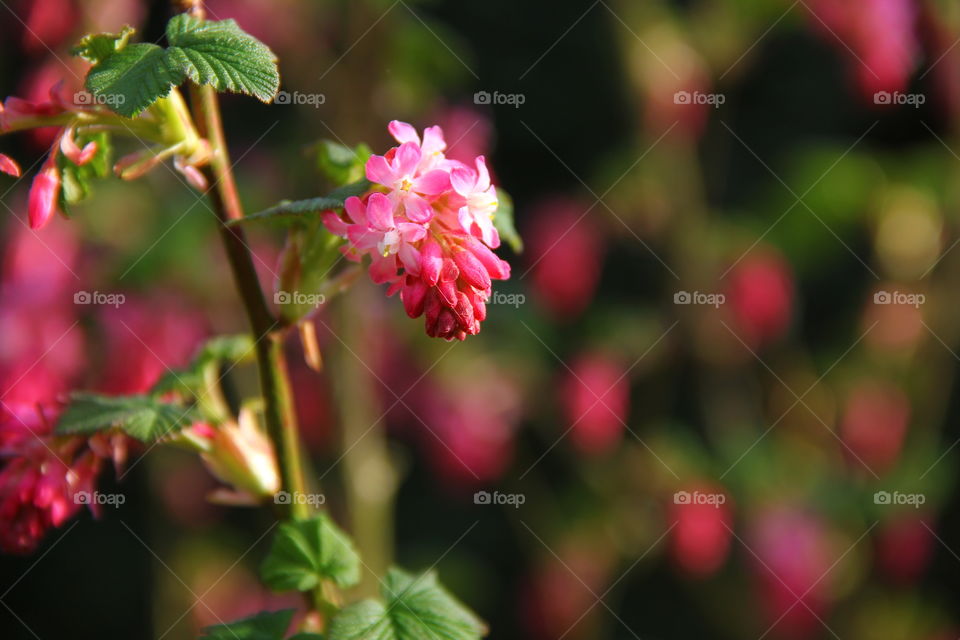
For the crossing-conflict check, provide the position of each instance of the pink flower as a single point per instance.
(9, 166)
(375, 228)
(481, 201)
(760, 294)
(596, 398)
(41, 477)
(877, 63)
(701, 537)
(399, 170)
(874, 424)
(430, 236)
(904, 548)
(793, 557)
(44, 193)
(566, 255)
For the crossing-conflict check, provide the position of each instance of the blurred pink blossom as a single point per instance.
(468, 131)
(144, 339)
(41, 476)
(878, 38)
(474, 430)
(595, 396)
(875, 423)
(565, 252)
(904, 548)
(760, 296)
(793, 558)
(701, 536)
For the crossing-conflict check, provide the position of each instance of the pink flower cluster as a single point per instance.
(42, 477)
(428, 229)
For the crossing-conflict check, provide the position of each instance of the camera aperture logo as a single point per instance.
(698, 297)
(699, 498)
(512, 99)
(312, 99)
(297, 497)
(896, 498)
(97, 498)
(698, 97)
(99, 298)
(898, 297)
(87, 99)
(512, 499)
(299, 298)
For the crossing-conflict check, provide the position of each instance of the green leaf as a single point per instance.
(341, 164)
(306, 552)
(288, 211)
(233, 349)
(142, 417)
(503, 221)
(221, 54)
(414, 608)
(96, 47)
(133, 78)
(267, 625)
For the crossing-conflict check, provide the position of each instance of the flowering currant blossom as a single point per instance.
(43, 477)
(428, 228)
(81, 120)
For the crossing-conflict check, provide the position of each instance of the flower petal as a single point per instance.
(355, 209)
(431, 261)
(334, 223)
(433, 141)
(463, 180)
(380, 212)
(43, 197)
(407, 159)
(9, 166)
(379, 170)
(383, 269)
(403, 132)
(410, 258)
(432, 182)
(417, 209)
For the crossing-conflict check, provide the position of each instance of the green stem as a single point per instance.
(370, 478)
(279, 411)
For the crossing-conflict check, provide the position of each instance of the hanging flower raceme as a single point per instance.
(428, 229)
(44, 480)
(81, 148)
